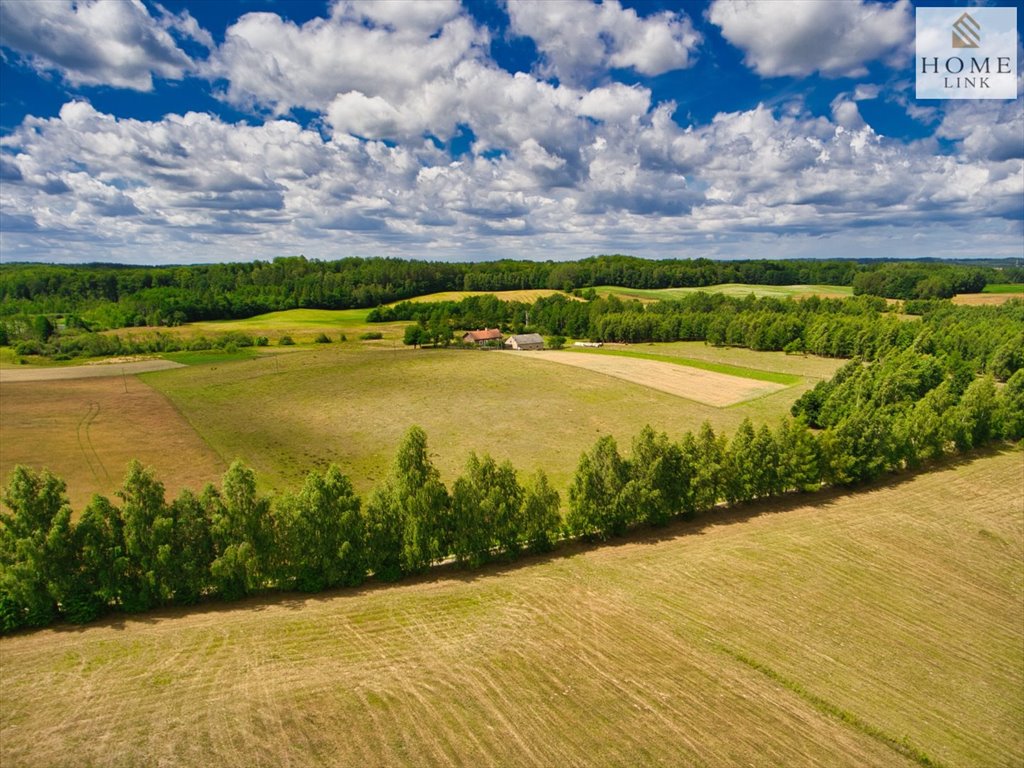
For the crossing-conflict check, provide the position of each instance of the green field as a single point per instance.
(881, 628)
(351, 403)
(1003, 288)
(729, 289)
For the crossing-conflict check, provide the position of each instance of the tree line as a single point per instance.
(987, 339)
(142, 551)
(112, 296)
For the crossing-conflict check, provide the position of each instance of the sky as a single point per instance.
(189, 131)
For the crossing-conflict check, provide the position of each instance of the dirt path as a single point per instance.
(99, 370)
(708, 387)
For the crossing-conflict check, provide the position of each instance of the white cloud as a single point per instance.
(368, 48)
(799, 37)
(98, 42)
(580, 39)
(756, 181)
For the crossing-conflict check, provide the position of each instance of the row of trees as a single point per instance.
(112, 296)
(985, 338)
(143, 551)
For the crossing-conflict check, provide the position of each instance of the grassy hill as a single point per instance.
(881, 628)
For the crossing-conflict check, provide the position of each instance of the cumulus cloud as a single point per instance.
(986, 130)
(185, 184)
(99, 42)
(369, 48)
(579, 39)
(800, 37)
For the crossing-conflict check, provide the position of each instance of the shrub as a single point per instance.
(262, 341)
(556, 342)
(322, 338)
(286, 341)
(371, 335)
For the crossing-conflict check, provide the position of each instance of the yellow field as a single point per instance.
(87, 430)
(882, 628)
(528, 295)
(985, 299)
(706, 387)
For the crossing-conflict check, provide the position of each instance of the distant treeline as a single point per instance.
(144, 551)
(110, 296)
(986, 339)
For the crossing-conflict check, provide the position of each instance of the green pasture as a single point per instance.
(1004, 288)
(351, 404)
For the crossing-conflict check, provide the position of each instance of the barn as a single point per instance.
(524, 341)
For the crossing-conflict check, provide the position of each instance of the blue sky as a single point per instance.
(223, 130)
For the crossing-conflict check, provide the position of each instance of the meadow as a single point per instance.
(843, 629)
(351, 403)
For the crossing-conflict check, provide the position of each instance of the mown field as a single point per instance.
(729, 289)
(880, 628)
(88, 430)
(351, 403)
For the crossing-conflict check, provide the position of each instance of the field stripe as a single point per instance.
(828, 708)
(774, 377)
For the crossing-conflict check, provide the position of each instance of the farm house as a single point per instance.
(486, 337)
(525, 341)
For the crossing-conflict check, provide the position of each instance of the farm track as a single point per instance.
(92, 457)
(738, 639)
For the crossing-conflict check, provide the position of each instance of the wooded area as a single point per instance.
(111, 296)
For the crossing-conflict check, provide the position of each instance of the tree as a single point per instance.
(709, 468)
(487, 504)
(407, 514)
(798, 457)
(192, 549)
(148, 530)
(100, 564)
(599, 503)
(35, 549)
(413, 335)
(322, 541)
(540, 520)
(1011, 407)
(242, 534)
(658, 476)
(740, 465)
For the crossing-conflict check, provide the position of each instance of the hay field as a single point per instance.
(986, 299)
(706, 387)
(86, 430)
(882, 628)
(528, 295)
(351, 404)
(729, 289)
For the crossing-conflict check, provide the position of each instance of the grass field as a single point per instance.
(729, 289)
(881, 628)
(302, 325)
(1017, 288)
(351, 404)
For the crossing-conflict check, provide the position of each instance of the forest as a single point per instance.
(102, 296)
